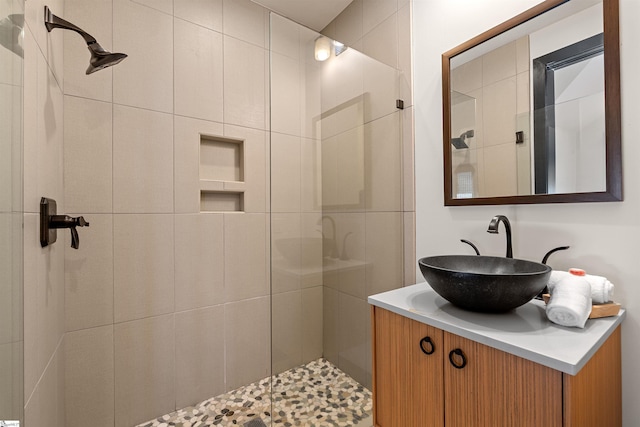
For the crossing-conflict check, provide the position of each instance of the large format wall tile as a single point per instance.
(348, 25)
(199, 258)
(89, 378)
(245, 20)
(383, 164)
(286, 332)
(89, 274)
(198, 71)
(207, 13)
(285, 94)
(311, 323)
(355, 328)
(43, 302)
(499, 112)
(245, 256)
(142, 161)
(145, 78)
(143, 266)
(247, 339)
(381, 43)
(50, 123)
(199, 373)
(384, 251)
(376, 11)
(88, 147)
(285, 173)
(144, 360)
(95, 17)
(46, 406)
(286, 252)
(244, 83)
(30, 119)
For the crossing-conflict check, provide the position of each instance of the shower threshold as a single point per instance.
(312, 395)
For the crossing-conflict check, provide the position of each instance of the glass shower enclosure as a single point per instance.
(336, 221)
(11, 213)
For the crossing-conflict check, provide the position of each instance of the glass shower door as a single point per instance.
(11, 213)
(336, 222)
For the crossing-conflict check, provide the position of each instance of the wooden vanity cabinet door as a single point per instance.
(593, 397)
(498, 389)
(407, 383)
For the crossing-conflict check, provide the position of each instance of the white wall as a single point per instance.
(602, 236)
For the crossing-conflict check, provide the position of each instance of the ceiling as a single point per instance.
(315, 14)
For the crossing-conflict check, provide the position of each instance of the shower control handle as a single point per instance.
(66, 221)
(50, 222)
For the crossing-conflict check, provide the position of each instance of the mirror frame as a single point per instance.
(613, 134)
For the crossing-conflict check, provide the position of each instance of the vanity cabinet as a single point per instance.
(424, 376)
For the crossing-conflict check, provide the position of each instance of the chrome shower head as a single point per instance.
(100, 58)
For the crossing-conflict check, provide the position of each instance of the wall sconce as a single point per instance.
(322, 48)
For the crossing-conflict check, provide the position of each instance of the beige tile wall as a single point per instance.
(44, 274)
(499, 83)
(11, 220)
(154, 278)
(296, 281)
(128, 163)
(369, 144)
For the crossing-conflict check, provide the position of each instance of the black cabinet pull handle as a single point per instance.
(460, 354)
(430, 349)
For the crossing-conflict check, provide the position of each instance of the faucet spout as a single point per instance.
(331, 242)
(493, 228)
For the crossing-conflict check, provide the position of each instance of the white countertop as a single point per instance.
(525, 332)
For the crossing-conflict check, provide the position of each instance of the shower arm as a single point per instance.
(51, 21)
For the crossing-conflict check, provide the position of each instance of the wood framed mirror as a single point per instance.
(531, 109)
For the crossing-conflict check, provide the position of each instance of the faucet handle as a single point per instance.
(80, 222)
(475, 248)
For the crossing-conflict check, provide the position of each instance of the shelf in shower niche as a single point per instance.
(216, 201)
(221, 196)
(222, 186)
(221, 158)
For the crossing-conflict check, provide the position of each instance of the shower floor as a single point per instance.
(315, 394)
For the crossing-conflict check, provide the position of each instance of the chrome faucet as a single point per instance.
(493, 228)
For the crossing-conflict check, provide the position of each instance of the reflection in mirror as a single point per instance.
(525, 108)
(569, 124)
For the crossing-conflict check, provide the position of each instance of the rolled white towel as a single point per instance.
(570, 302)
(601, 287)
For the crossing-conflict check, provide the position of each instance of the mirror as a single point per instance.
(531, 109)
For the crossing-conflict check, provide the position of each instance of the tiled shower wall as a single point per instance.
(376, 237)
(11, 218)
(159, 308)
(44, 353)
(499, 83)
(381, 29)
(165, 306)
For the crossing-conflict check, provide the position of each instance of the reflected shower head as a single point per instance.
(100, 58)
(460, 143)
(12, 33)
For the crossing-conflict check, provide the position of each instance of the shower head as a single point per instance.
(100, 58)
(460, 143)
(12, 33)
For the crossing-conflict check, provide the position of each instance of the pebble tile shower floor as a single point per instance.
(312, 395)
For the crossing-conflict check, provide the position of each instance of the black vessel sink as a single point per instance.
(484, 283)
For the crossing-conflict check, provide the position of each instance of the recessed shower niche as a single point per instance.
(222, 183)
